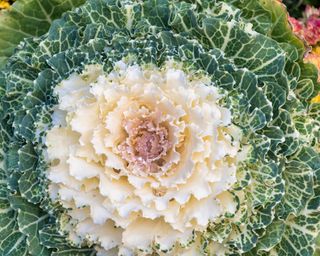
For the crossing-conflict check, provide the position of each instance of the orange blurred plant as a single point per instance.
(308, 29)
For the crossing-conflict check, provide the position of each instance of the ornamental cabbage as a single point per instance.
(160, 127)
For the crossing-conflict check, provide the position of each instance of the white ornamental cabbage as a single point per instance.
(141, 156)
(157, 127)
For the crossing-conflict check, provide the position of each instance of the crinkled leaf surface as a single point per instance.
(28, 18)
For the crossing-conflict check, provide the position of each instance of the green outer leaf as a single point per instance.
(73, 252)
(30, 220)
(303, 230)
(272, 237)
(298, 178)
(269, 17)
(23, 18)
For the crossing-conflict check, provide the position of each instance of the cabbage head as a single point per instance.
(157, 127)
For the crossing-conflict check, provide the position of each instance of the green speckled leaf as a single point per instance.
(23, 19)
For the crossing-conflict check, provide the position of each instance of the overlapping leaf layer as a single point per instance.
(248, 50)
(28, 18)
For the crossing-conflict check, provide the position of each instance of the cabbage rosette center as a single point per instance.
(141, 148)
